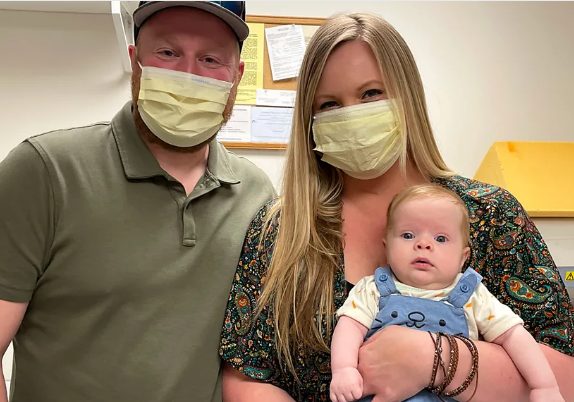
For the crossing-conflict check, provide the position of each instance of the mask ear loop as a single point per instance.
(137, 59)
(234, 82)
(319, 154)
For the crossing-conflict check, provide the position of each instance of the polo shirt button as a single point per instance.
(383, 277)
(464, 288)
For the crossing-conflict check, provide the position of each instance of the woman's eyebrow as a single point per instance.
(361, 87)
(368, 83)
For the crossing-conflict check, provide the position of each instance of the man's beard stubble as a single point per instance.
(151, 138)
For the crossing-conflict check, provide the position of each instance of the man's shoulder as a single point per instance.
(245, 170)
(73, 141)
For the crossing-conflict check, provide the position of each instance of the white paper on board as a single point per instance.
(275, 97)
(271, 124)
(238, 128)
(286, 46)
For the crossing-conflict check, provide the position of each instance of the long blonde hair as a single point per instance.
(299, 285)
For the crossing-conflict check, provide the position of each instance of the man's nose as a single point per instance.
(188, 65)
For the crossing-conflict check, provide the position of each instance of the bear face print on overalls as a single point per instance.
(446, 315)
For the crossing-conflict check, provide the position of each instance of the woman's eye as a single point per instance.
(372, 93)
(441, 239)
(407, 236)
(327, 105)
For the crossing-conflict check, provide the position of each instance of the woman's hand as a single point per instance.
(396, 363)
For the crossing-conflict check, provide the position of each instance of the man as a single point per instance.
(119, 241)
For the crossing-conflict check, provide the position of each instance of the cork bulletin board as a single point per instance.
(309, 26)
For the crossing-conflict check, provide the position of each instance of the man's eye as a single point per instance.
(441, 239)
(210, 60)
(167, 53)
(407, 236)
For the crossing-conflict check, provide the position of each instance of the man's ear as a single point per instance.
(240, 70)
(465, 255)
(132, 51)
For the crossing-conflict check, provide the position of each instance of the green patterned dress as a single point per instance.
(507, 250)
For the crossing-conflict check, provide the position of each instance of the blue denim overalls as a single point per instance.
(423, 314)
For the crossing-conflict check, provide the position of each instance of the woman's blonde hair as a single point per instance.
(429, 192)
(299, 285)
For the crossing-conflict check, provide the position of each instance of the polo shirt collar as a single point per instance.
(218, 163)
(139, 163)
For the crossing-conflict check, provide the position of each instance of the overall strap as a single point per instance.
(385, 284)
(464, 288)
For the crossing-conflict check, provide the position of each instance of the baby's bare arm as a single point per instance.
(347, 383)
(529, 359)
(347, 339)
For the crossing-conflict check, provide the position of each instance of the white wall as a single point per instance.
(492, 71)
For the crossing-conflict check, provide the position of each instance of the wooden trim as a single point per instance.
(254, 145)
(272, 19)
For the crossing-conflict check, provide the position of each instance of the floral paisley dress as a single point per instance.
(506, 249)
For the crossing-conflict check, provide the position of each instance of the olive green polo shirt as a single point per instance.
(126, 276)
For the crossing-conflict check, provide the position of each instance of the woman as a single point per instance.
(360, 134)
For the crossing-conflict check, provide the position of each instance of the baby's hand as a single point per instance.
(346, 385)
(546, 395)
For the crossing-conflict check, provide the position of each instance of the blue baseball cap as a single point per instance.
(231, 12)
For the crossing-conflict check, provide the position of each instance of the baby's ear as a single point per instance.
(465, 254)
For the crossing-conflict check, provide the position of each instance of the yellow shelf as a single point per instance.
(539, 174)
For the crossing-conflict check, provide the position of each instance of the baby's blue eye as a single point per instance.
(407, 236)
(441, 239)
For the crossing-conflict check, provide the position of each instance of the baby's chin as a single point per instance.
(425, 281)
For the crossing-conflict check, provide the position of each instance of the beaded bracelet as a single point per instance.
(454, 357)
(473, 371)
(437, 359)
(452, 366)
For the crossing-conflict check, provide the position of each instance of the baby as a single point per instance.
(426, 240)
